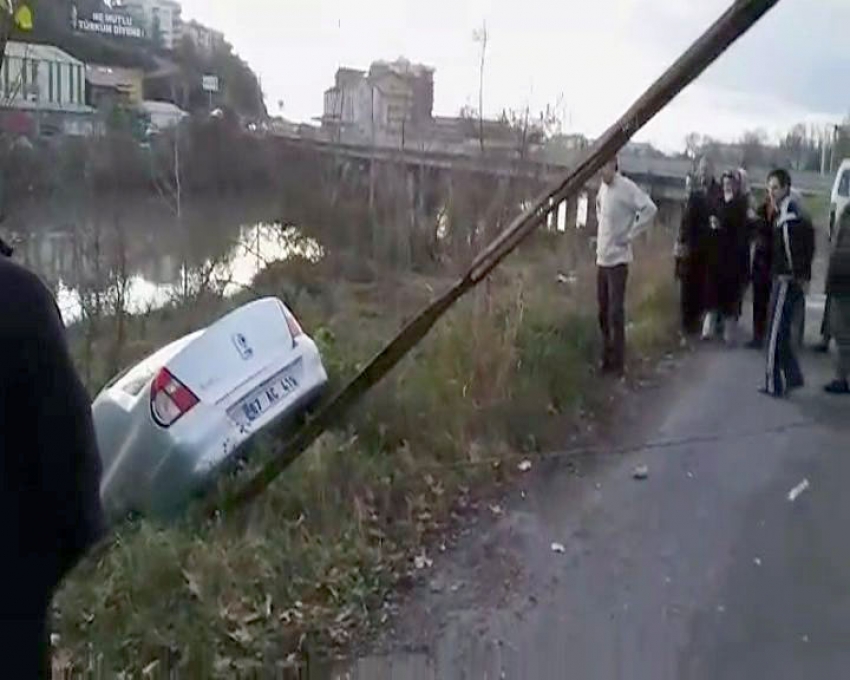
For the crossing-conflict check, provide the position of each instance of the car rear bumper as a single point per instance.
(192, 461)
(180, 478)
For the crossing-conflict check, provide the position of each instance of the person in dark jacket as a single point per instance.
(692, 246)
(838, 292)
(826, 322)
(761, 237)
(791, 269)
(50, 512)
(727, 274)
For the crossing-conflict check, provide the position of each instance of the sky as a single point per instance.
(588, 60)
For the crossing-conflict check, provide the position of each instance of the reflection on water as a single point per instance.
(145, 254)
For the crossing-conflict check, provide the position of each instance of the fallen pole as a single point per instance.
(734, 23)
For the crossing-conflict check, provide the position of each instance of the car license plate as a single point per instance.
(266, 396)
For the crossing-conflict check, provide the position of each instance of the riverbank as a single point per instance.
(309, 568)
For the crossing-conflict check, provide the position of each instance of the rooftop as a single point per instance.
(404, 67)
(39, 52)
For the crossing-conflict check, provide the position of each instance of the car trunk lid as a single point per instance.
(234, 351)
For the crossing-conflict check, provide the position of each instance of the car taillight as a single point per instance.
(295, 329)
(170, 399)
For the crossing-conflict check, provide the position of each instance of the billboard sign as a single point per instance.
(115, 24)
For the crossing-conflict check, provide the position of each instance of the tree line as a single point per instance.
(803, 148)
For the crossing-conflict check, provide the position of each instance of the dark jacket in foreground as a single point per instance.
(50, 511)
(793, 243)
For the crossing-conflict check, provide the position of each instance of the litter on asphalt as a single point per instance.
(558, 548)
(641, 472)
(798, 490)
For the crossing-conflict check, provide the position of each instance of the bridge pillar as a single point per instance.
(571, 219)
(592, 219)
(372, 170)
(556, 216)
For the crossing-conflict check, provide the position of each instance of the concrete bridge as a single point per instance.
(429, 172)
(663, 177)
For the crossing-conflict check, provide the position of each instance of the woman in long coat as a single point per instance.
(692, 245)
(728, 262)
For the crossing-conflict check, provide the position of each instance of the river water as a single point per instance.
(140, 245)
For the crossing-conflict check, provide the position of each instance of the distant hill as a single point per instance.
(240, 86)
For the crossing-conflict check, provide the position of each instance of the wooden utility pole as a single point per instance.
(735, 22)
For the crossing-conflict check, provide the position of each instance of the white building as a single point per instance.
(159, 17)
(46, 87)
(205, 40)
(355, 107)
(393, 100)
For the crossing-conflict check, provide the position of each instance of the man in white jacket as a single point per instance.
(623, 211)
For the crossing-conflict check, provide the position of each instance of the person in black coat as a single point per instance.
(731, 258)
(50, 512)
(761, 237)
(838, 291)
(692, 247)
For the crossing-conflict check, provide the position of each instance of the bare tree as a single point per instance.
(693, 144)
(481, 37)
(754, 149)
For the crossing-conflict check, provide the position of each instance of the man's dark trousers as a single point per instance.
(611, 291)
(783, 369)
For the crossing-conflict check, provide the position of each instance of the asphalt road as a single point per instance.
(705, 569)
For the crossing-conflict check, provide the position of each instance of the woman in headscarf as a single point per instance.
(838, 288)
(691, 250)
(729, 264)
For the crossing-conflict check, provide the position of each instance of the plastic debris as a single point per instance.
(641, 472)
(558, 548)
(524, 466)
(798, 490)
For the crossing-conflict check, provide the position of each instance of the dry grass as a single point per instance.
(310, 568)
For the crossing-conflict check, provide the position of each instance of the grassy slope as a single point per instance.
(310, 565)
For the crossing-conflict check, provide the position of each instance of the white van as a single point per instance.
(840, 195)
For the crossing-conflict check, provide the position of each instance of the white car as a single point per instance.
(840, 195)
(169, 424)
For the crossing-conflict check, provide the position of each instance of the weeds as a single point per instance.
(312, 565)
